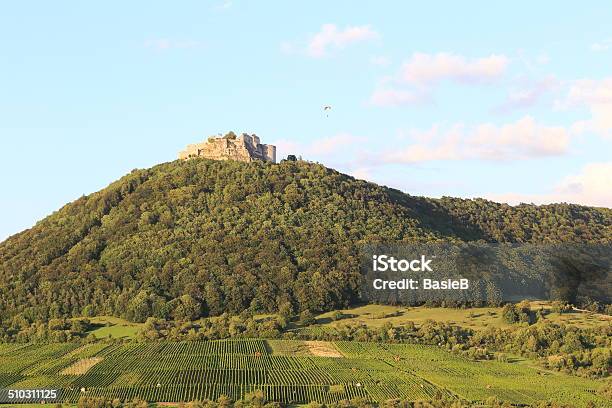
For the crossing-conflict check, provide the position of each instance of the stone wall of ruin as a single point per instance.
(244, 148)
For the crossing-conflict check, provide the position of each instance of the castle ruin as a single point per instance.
(245, 148)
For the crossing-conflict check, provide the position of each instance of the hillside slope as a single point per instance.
(203, 237)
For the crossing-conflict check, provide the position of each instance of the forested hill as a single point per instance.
(201, 237)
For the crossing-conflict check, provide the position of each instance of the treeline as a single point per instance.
(585, 352)
(200, 238)
(54, 331)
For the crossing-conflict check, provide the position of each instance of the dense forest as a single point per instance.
(197, 238)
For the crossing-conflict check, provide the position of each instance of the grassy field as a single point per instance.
(287, 371)
(114, 327)
(475, 318)
(378, 315)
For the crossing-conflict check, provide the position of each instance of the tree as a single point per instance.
(187, 308)
(307, 318)
(139, 308)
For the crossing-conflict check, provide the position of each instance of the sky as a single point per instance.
(510, 102)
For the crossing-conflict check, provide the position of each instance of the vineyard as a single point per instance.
(286, 371)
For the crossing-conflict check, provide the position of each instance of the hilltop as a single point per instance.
(201, 237)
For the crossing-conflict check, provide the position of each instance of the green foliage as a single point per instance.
(307, 318)
(201, 238)
(519, 313)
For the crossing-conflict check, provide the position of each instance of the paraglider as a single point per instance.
(326, 108)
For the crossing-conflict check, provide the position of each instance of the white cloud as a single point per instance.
(331, 37)
(523, 139)
(380, 61)
(599, 123)
(397, 97)
(530, 61)
(324, 146)
(424, 69)
(589, 92)
(596, 95)
(361, 173)
(164, 44)
(415, 81)
(224, 5)
(286, 146)
(604, 45)
(331, 144)
(528, 94)
(591, 186)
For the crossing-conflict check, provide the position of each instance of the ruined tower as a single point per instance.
(231, 147)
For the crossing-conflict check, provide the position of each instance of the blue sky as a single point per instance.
(511, 103)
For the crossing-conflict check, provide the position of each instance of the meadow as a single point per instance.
(289, 371)
(474, 318)
(113, 327)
